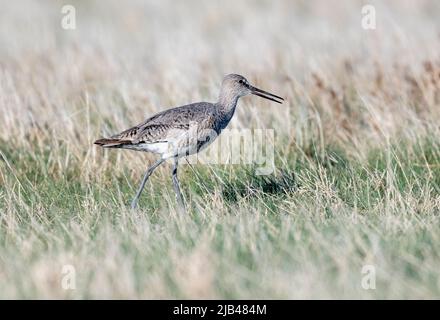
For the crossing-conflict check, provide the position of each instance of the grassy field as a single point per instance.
(356, 151)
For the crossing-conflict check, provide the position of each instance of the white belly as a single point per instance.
(158, 147)
(183, 146)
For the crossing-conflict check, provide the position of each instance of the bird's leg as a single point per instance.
(177, 188)
(144, 180)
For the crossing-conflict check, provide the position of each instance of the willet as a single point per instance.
(184, 130)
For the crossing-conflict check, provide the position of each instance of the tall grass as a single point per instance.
(357, 153)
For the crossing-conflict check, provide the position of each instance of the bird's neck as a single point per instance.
(227, 104)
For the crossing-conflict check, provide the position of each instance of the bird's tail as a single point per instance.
(111, 142)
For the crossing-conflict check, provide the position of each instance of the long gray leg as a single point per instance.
(144, 180)
(177, 188)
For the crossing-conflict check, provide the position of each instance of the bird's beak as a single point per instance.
(265, 94)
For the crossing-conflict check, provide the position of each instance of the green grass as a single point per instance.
(304, 232)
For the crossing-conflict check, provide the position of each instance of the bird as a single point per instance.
(181, 131)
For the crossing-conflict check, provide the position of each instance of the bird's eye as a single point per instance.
(240, 81)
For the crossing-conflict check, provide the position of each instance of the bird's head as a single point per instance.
(235, 85)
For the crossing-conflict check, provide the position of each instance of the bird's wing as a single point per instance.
(169, 124)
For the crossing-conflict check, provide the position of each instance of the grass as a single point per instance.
(253, 237)
(356, 151)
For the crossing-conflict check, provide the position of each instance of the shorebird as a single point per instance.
(184, 130)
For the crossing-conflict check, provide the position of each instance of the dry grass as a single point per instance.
(356, 150)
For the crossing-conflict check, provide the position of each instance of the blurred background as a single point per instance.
(125, 62)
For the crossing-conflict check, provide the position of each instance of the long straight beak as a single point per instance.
(266, 95)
